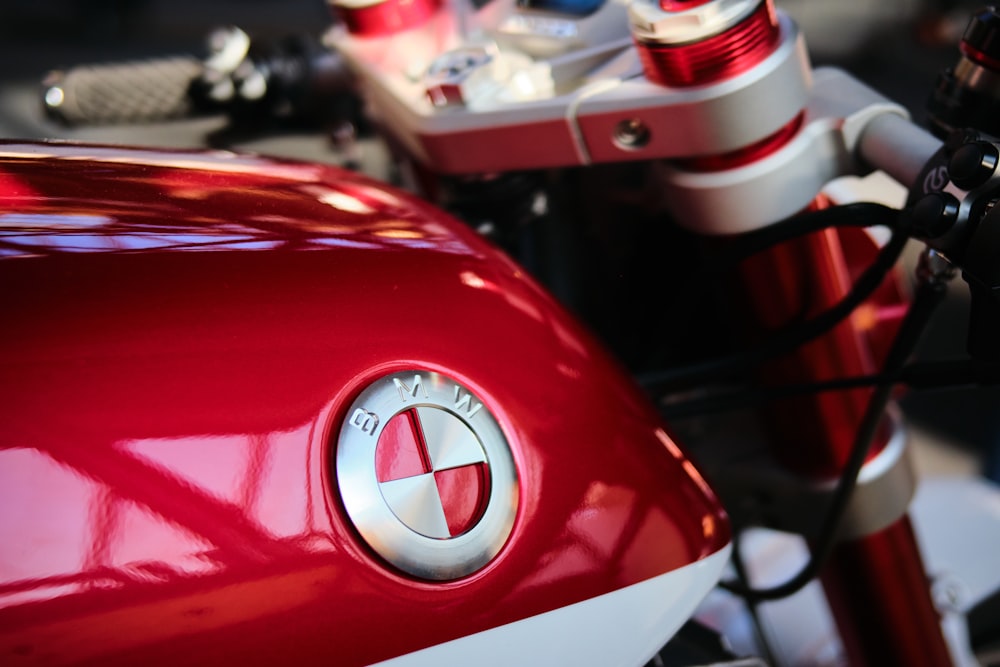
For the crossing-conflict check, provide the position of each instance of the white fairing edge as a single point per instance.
(623, 628)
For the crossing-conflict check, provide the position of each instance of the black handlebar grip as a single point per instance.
(132, 92)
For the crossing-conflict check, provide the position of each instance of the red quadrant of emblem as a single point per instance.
(464, 492)
(401, 451)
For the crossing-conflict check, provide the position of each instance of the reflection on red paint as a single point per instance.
(46, 506)
(78, 533)
(13, 188)
(463, 492)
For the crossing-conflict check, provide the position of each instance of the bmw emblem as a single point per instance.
(426, 475)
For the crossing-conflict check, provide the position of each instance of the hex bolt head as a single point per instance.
(973, 164)
(934, 215)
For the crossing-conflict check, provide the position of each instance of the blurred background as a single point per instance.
(896, 46)
(37, 36)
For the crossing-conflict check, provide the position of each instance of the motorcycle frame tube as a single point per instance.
(878, 591)
(880, 574)
(799, 278)
(877, 585)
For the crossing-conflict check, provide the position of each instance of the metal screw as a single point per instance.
(631, 134)
(932, 267)
(948, 593)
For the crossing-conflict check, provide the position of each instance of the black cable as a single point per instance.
(922, 375)
(743, 399)
(791, 336)
(748, 244)
(929, 295)
(733, 249)
(939, 374)
(753, 606)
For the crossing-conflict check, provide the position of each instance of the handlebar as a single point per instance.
(897, 146)
(132, 92)
(296, 78)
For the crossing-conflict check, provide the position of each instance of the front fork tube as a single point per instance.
(879, 595)
(876, 584)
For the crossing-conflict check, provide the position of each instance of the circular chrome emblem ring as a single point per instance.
(426, 475)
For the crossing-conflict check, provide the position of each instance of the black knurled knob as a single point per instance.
(934, 215)
(983, 33)
(973, 164)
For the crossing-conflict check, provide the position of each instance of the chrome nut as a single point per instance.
(651, 23)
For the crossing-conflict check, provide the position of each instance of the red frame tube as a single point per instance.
(878, 592)
(877, 586)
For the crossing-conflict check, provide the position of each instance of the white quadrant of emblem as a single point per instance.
(450, 442)
(417, 503)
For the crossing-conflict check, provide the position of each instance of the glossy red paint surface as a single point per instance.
(182, 336)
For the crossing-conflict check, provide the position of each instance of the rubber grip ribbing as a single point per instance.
(132, 92)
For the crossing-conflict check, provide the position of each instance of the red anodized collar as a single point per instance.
(714, 58)
(978, 57)
(384, 17)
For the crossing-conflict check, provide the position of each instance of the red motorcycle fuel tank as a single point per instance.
(262, 412)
